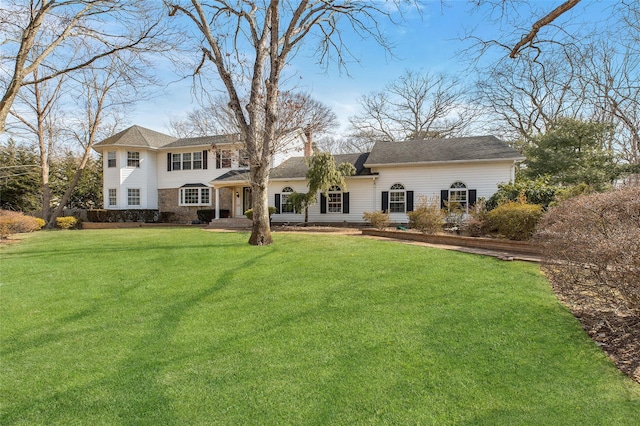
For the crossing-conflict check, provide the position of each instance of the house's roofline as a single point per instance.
(441, 151)
(423, 163)
(143, 138)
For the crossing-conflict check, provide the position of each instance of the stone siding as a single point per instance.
(171, 211)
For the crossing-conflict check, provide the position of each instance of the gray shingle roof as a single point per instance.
(203, 141)
(136, 136)
(296, 167)
(234, 176)
(476, 148)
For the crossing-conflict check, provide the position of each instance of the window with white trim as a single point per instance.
(458, 196)
(111, 159)
(285, 205)
(397, 198)
(113, 197)
(186, 161)
(197, 160)
(176, 162)
(195, 196)
(133, 196)
(133, 159)
(243, 158)
(334, 200)
(223, 159)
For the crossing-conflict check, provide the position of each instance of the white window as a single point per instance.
(133, 159)
(397, 198)
(186, 161)
(113, 197)
(197, 160)
(195, 196)
(176, 162)
(223, 159)
(243, 158)
(285, 205)
(458, 196)
(111, 159)
(133, 196)
(334, 200)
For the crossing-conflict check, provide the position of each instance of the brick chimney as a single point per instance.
(308, 143)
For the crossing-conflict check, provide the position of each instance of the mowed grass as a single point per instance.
(182, 327)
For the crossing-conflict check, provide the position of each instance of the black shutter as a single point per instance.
(385, 201)
(323, 204)
(217, 159)
(444, 197)
(345, 202)
(169, 161)
(205, 158)
(277, 204)
(472, 197)
(409, 201)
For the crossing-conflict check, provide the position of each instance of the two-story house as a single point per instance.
(144, 169)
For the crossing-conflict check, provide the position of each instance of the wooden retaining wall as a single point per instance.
(522, 247)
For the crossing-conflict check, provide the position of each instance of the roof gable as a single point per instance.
(136, 136)
(476, 148)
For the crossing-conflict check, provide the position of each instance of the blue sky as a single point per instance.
(427, 42)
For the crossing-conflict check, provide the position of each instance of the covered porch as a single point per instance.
(237, 183)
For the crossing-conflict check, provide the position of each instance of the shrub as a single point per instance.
(515, 220)
(537, 191)
(133, 215)
(427, 216)
(16, 223)
(377, 219)
(477, 222)
(41, 223)
(592, 248)
(67, 222)
(249, 213)
(206, 215)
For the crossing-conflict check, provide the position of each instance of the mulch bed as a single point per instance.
(616, 332)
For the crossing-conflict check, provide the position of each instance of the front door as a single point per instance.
(246, 199)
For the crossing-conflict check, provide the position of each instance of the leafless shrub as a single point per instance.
(592, 248)
(378, 219)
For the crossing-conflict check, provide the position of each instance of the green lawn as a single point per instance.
(180, 326)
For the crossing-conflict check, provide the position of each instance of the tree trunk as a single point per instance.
(261, 228)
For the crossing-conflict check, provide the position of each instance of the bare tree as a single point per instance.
(414, 106)
(249, 43)
(94, 100)
(522, 97)
(40, 119)
(61, 36)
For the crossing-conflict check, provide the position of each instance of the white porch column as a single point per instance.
(217, 203)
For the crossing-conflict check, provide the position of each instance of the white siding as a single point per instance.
(360, 200)
(428, 181)
(142, 177)
(111, 179)
(365, 193)
(177, 178)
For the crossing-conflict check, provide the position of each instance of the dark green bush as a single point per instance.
(515, 220)
(536, 191)
(378, 219)
(206, 216)
(132, 215)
